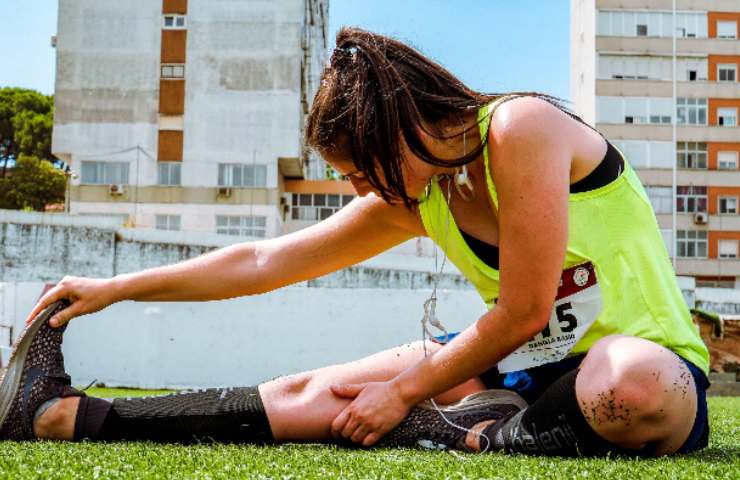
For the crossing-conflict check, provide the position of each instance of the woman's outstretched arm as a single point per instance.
(364, 228)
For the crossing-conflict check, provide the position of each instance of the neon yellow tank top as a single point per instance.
(612, 227)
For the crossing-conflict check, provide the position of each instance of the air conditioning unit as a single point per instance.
(116, 189)
(700, 218)
(224, 191)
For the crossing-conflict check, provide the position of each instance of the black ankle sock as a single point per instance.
(225, 415)
(91, 414)
(552, 425)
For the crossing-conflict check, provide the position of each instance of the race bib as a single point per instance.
(577, 305)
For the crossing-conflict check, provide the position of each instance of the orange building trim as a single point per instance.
(319, 186)
(173, 46)
(713, 194)
(713, 148)
(712, 18)
(172, 97)
(169, 148)
(715, 60)
(715, 103)
(175, 6)
(715, 236)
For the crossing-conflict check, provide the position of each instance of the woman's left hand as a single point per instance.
(377, 408)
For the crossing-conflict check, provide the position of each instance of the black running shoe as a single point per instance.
(34, 375)
(425, 427)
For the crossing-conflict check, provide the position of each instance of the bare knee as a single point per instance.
(633, 391)
(610, 370)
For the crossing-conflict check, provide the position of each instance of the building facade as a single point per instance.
(622, 82)
(188, 114)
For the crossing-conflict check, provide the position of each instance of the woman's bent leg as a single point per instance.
(630, 395)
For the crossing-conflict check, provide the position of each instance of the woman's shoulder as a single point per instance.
(531, 124)
(524, 116)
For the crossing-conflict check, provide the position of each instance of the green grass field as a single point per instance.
(46, 460)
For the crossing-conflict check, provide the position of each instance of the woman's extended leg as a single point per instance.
(302, 407)
(299, 407)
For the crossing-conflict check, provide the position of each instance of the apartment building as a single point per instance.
(622, 82)
(187, 114)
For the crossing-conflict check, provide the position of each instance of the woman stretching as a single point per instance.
(541, 213)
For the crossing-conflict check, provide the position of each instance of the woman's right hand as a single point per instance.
(86, 295)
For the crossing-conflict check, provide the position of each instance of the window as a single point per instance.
(167, 222)
(727, 117)
(241, 226)
(727, 248)
(661, 199)
(726, 29)
(99, 173)
(726, 72)
(691, 111)
(317, 206)
(692, 243)
(691, 199)
(173, 70)
(727, 205)
(240, 175)
(692, 75)
(630, 23)
(715, 282)
(174, 22)
(692, 155)
(168, 173)
(727, 160)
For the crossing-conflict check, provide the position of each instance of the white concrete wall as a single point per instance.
(244, 91)
(583, 58)
(720, 300)
(339, 317)
(107, 79)
(242, 341)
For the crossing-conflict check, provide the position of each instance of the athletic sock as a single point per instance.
(91, 412)
(233, 415)
(552, 425)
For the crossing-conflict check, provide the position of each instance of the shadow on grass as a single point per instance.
(717, 454)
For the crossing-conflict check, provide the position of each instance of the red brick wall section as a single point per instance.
(319, 186)
(172, 97)
(169, 147)
(173, 46)
(175, 6)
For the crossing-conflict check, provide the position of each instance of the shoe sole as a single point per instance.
(11, 380)
(486, 398)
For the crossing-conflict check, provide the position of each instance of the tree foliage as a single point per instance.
(26, 120)
(33, 184)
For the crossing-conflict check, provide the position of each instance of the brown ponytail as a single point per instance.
(375, 87)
